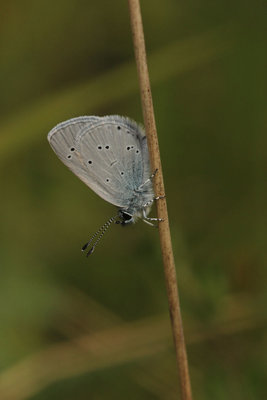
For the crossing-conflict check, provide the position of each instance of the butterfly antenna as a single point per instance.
(100, 233)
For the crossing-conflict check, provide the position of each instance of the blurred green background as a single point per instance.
(73, 327)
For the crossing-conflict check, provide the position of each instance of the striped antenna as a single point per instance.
(98, 235)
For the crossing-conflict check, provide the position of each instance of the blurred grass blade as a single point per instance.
(33, 122)
(131, 342)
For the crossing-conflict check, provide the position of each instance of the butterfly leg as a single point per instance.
(150, 202)
(159, 197)
(147, 219)
(154, 219)
(149, 223)
(149, 179)
(154, 173)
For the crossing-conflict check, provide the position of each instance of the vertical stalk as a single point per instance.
(164, 229)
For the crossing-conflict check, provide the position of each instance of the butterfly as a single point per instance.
(110, 155)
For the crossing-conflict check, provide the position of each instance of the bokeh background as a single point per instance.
(97, 328)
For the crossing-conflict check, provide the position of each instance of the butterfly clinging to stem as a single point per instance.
(110, 155)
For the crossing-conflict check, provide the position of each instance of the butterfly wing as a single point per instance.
(63, 140)
(109, 154)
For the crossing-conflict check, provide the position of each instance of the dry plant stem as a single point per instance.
(164, 229)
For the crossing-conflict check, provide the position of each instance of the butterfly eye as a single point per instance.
(107, 147)
(118, 127)
(122, 173)
(69, 156)
(90, 162)
(72, 149)
(107, 180)
(128, 147)
(137, 151)
(99, 147)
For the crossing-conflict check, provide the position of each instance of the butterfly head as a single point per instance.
(125, 218)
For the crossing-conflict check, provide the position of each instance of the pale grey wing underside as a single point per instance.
(109, 154)
(63, 140)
